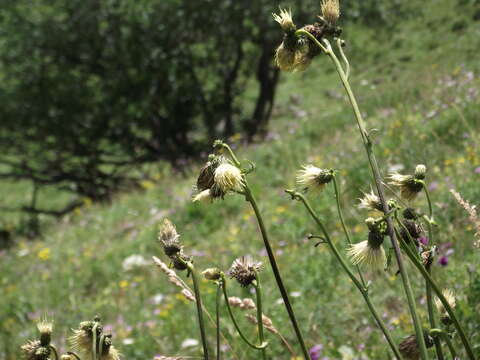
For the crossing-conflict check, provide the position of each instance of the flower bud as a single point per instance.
(285, 20)
(330, 11)
(420, 171)
(212, 274)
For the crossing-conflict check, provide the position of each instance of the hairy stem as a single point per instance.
(198, 302)
(363, 290)
(327, 48)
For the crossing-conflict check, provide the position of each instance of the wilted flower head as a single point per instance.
(409, 346)
(314, 178)
(244, 270)
(330, 11)
(371, 201)
(285, 20)
(82, 338)
(168, 236)
(228, 178)
(450, 297)
(369, 252)
(408, 184)
(205, 179)
(212, 274)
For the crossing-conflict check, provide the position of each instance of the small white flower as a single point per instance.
(189, 343)
(228, 177)
(128, 341)
(134, 261)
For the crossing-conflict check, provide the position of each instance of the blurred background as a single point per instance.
(108, 109)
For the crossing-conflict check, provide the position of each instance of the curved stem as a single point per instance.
(54, 351)
(258, 293)
(217, 317)
(441, 297)
(378, 183)
(74, 355)
(198, 302)
(363, 290)
(94, 342)
(344, 58)
(225, 295)
(340, 215)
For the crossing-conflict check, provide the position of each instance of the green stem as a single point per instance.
(271, 257)
(378, 183)
(55, 353)
(237, 327)
(363, 290)
(445, 337)
(198, 302)
(217, 317)
(258, 293)
(94, 342)
(340, 215)
(441, 297)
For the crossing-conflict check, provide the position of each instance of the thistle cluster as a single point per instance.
(169, 238)
(295, 53)
(217, 177)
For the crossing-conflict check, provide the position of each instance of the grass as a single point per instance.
(418, 87)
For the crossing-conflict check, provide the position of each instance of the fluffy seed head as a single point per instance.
(285, 58)
(314, 178)
(45, 328)
(212, 274)
(420, 171)
(168, 236)
(228, 177)
(363, 253)
(370, 201)
(285, 20)
(330, 11)
(203, 196)
(409, 187)
(244, 270)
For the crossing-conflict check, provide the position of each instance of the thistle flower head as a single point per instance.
(285, 20)
(370, 201)
(180, 261)
(414, 230)
(420, 171)
(330, 11)
(408, 184)
(212, 274)
(168, 236)
(244, 270)
(409, 346)
(67, 357)
(203, 196)
(82, 338)
(311, 177)
(228, 178)
(450, 297)
(285, 57)
(205, 179)
(30, 348)
(363, 253)
(108, 350)
(45, 328)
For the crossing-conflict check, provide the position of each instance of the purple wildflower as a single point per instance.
(477, 170)
(443, 261)
(423, 240)
(315, 351)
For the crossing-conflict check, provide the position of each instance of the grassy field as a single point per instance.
(417, 85)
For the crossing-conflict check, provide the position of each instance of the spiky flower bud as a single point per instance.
(228, 178)
(45, 328)
(450, 297)
(285, 20)
(409, 346)
(212, 274)
(168, 236)
(420, 171)
(330, 11)
(371, 202)
(313, 178)
(408, 184)
(244, 270)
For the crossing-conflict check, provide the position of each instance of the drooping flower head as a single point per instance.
(244, 270)
(228, 178)
(313, 178)
(450, 297)
(285, 20)
(205, 178)
(409, 185)
(370, 201)
(168, 237)
(82, 339)
(370, 252)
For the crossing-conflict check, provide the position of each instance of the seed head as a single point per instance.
(285, 20)
(408, 184)
(371, 202)
(45, 328)
(450, 297)
(212, 274)
(29, 349)
(168, 236)
(409, 347)
(420, 171)
(82, 339)
(205, 179)
(330, 11)
(312, 178)
(369, 252)
(244, 270)
(228, 178)
(203, 196)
